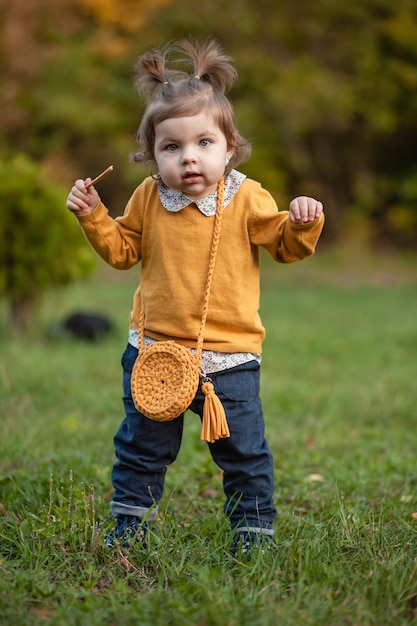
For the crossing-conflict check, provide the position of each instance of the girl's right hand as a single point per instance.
(82, 200)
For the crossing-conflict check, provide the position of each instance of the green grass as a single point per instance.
(339, 393)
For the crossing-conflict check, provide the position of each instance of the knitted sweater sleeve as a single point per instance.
(286, 241)
(118, 241)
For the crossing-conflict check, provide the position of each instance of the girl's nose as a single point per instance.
(188, 156)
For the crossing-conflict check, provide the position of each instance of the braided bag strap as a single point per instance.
(213, 254)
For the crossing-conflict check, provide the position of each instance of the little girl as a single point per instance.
(189, 136)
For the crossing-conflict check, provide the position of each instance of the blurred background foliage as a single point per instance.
(327, 93)
(41, 246)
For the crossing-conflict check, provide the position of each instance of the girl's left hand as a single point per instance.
(304, 209)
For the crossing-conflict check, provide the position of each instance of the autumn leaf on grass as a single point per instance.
(316, 478)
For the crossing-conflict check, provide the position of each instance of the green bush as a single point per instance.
(41, 244)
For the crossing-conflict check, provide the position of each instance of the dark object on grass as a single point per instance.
(89, 326)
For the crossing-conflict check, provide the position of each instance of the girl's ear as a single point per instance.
(229, 155)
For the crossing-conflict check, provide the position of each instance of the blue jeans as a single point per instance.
(145, 448)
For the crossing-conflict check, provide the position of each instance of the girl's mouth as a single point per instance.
(191, 177)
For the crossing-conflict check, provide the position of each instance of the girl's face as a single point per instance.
(191, 154)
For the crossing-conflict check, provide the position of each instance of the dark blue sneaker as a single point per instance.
(247, 543)
(127, 531)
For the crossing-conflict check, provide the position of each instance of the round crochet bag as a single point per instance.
(165, 376)
(164, 380)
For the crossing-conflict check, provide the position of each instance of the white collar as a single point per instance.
(174, 200)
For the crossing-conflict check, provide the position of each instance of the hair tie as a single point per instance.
(165, 83)
(197, 77)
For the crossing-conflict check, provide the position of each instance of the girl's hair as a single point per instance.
(179, 93)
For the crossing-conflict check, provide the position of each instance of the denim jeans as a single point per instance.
(145, 448)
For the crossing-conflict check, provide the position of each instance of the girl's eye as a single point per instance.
(205, 142)
(171, 147)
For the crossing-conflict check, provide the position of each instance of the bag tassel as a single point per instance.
(214, 425)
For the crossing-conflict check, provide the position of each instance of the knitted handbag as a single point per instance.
(165, 376)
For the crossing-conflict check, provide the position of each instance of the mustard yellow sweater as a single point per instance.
(174, 250)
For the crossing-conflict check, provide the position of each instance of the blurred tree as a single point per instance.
(327, 93)
(66, 91)
(41, 245)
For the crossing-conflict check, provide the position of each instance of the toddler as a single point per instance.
(189, 137)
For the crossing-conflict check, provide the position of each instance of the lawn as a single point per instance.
(339, 394)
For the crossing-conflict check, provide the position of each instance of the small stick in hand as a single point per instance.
(100, 176)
